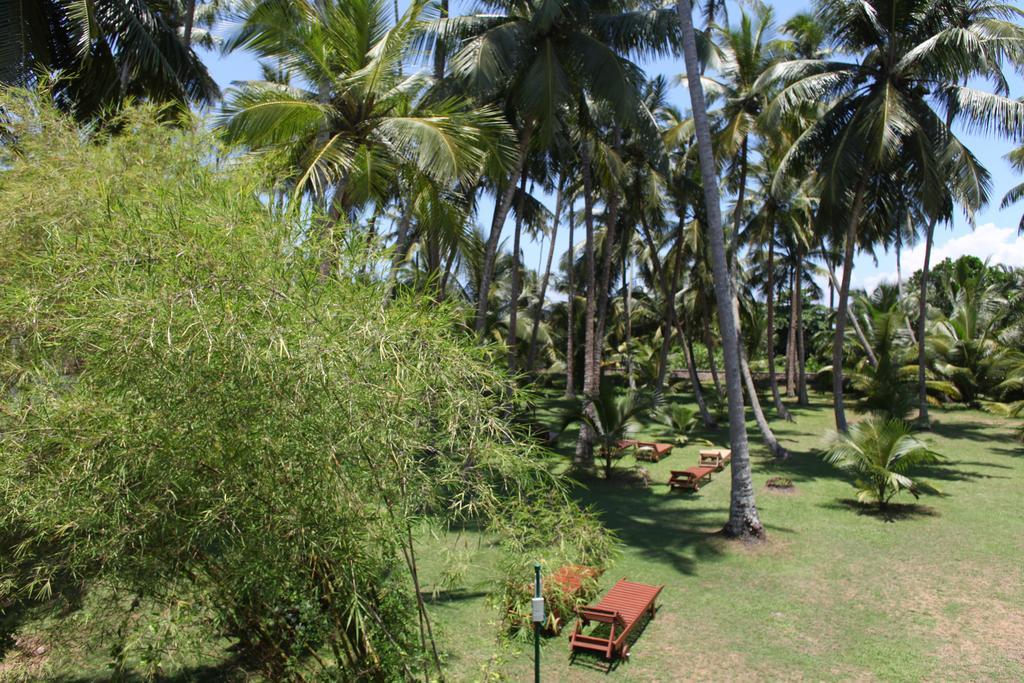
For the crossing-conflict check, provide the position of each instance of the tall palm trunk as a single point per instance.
(706, 417)
(666, 342)
(709, 344)
(440, 52)
(433, 239)
(743, 517)
(449, 266)
(661, 275)
(855, 324)
(843, 308)
(584, 457)
(570, 336)
(627, 287)
(190, 18)
(780, 408)
(513, 315)
(922, 320)
(401, 247)
(737, 214)
(801, 355)
(501, 208)
(604, 284)
(538, 310)
(793, 339)
(898, 247)
(776, 449)
(801, 351)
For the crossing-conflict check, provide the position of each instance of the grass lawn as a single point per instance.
(933, 592)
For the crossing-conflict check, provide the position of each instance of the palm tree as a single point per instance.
(552, 239)
(355, 123)
(994, 36)
(612, 418)
(887, 387)
(743, 518)
(98, 53)
(680, 419)
(538, 59)
(1014, 195)
(966, 345)
(744, 54)
(880, 452)
(888, 116)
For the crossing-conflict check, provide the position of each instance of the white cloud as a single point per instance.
(987, 241)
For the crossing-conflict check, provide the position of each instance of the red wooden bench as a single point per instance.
(692, 478)
(716, 457)
(645, 450)
(648, 450)
(621, 609)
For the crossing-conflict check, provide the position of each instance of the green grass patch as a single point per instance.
(930, 590)
(934, 589)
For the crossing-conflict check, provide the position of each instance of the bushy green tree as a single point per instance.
(190, 411)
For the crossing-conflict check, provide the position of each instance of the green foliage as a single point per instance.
(888, 387)
(191, 412)
(100, 54)
(611, 417)
(880, 452)
(351, 120)
(553, 537)
(681, 419)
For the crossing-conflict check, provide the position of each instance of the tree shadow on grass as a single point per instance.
(893, 512)
(976, 431)
(667, 529)
(801, 466)
(949, 473)
(452, 595)
(228, 671)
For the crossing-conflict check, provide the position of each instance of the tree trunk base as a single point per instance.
(780, 453)
(749, 531)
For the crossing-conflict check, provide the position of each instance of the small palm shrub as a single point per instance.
(888, 388)
(614, 417)
(680, 419)
(879, 453)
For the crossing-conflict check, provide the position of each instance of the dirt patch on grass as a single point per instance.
(773, 544)
(678, 642)
(25, 661)
(976, 633)
(976, 617)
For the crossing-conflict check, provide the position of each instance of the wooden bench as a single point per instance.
(645, 450)
(653, 452)
(715, 457)
(621, 609)
(691, 479)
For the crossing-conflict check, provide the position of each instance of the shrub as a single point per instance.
(880, 453)
(190, 411)
(682, 420)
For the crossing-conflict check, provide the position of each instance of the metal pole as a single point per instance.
(538, 619)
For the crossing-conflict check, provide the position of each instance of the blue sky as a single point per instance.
(994, 237)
